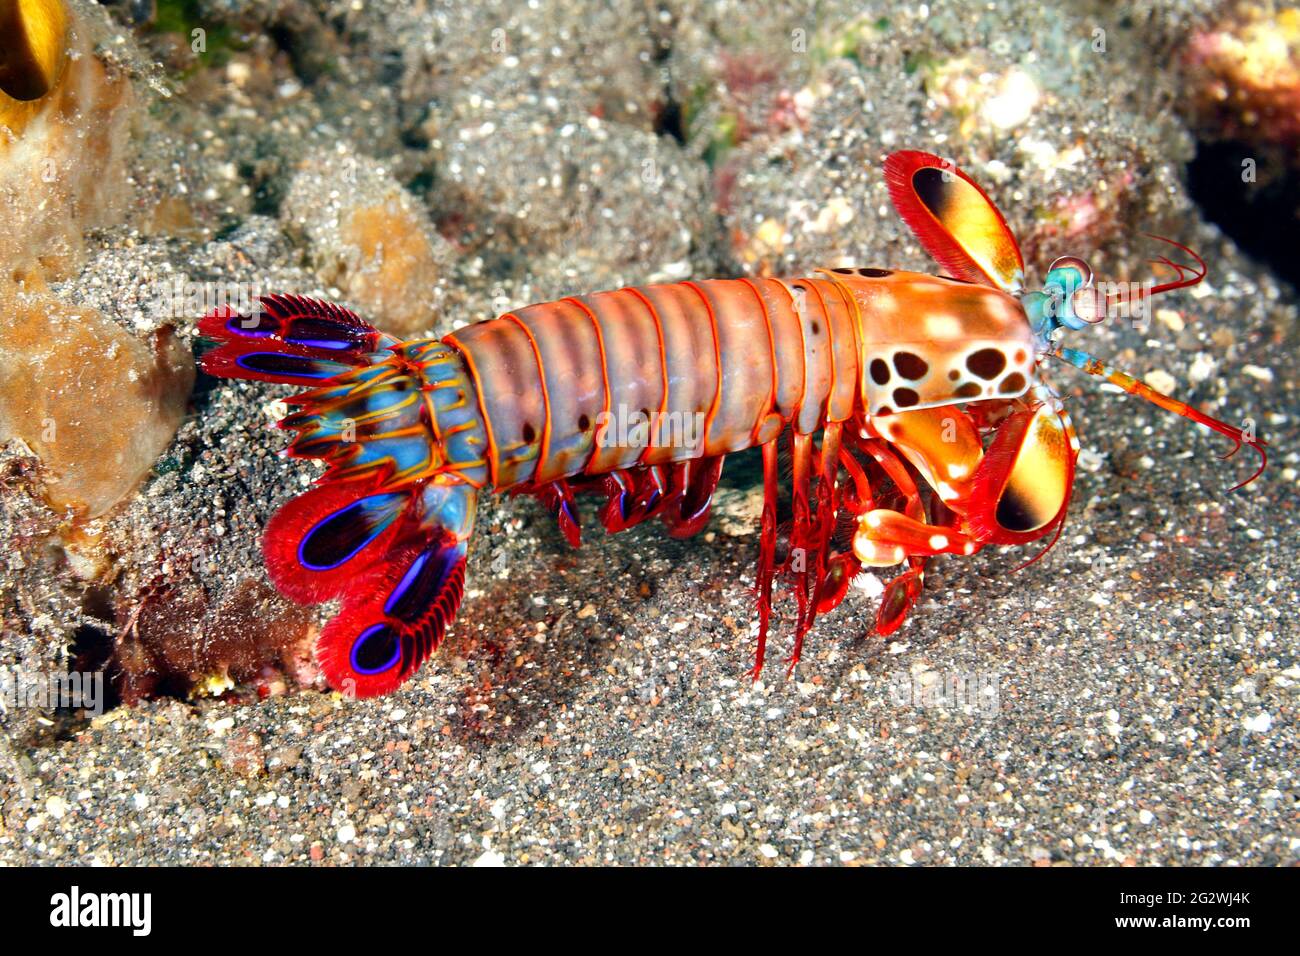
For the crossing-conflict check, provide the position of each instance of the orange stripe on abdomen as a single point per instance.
(841, 320)
(690, 364)
(787, 344)
(819, 371)
(571, 363)
(745, 349)
(505, 370)
(634, 370)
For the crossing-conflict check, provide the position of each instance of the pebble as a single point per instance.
(1261, 723)
(1161, 381)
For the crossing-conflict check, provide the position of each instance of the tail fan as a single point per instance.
(288, 340)
(386, 526)
(393, 618)
(396, 557)
(371, 420)
(317, 544)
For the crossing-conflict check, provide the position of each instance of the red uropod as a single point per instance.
(918, 419)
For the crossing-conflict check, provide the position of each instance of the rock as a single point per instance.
(569, 201)
(96, 404)
(866, 88)
(178, 634)
(602, 59)
(62, 154)
(370, 238)
(1245, 75)
(243, 754)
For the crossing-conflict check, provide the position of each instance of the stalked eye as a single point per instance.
(376, 649)
(1076, 264)
(1088, 305)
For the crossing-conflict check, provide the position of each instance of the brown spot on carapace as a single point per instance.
(879, 372)
(583, 423)
(987, 363)
(905, 397)
(530, 433)
(1020, 356)
(875, 273)
(884, 410)
(969, 390)
(953, 374)
(1013, 384)
(910, 365)
(816, 328)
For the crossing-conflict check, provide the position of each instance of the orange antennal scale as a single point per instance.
(1086, 363)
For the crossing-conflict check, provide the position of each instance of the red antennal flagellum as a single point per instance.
(1187, 275)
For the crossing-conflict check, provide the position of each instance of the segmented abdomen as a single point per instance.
(711, 367)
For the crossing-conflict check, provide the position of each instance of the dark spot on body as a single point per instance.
(1015, 513)
(843, 272)
(376, 649)
(969, 390)
(875, 273)
(910, 365)
(530, 433)
(884, 410)
(879, 372)
(816, 329)
(954, 374)
(986, 363)
(931, 189)
(905, 397)
(583, 423)
(338, 537)
(1020, 356)
(1012, 384)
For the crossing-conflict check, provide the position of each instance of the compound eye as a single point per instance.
(1088, 305)
(1077, 265)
